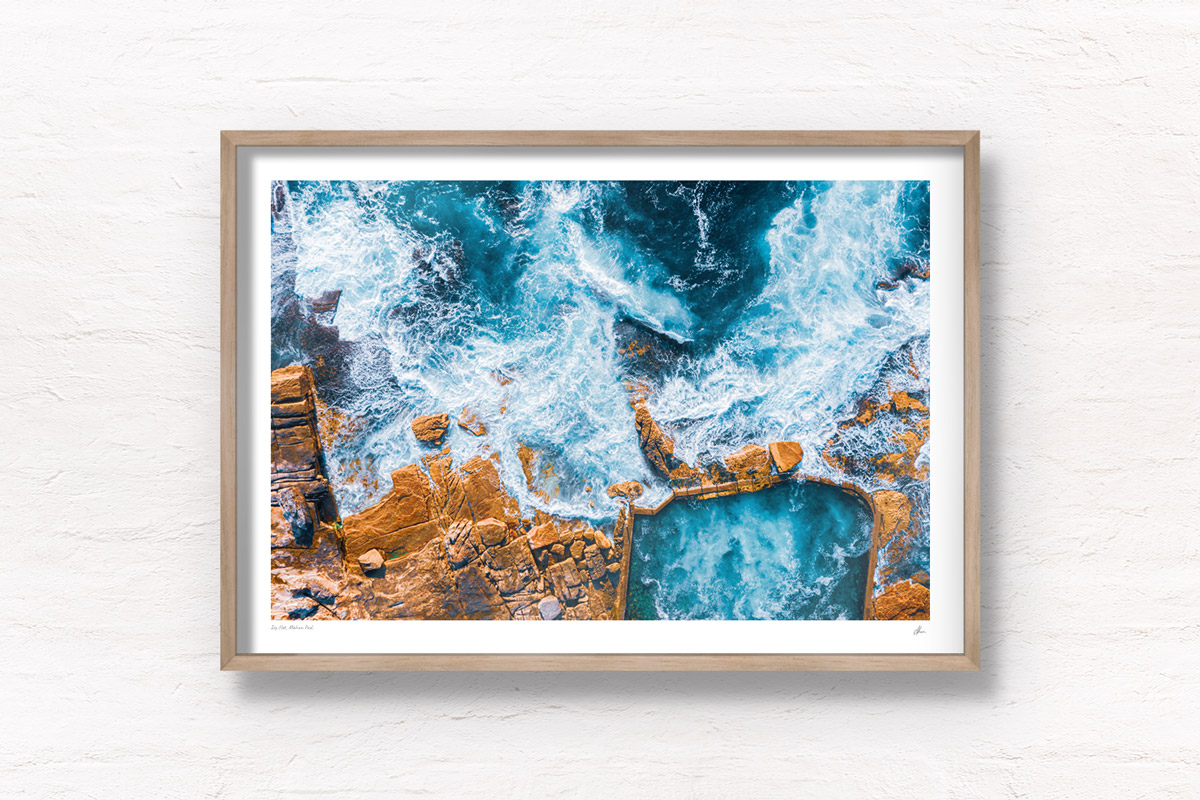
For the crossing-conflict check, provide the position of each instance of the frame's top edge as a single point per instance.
(600, 138)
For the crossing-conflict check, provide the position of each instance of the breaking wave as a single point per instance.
(746, 311)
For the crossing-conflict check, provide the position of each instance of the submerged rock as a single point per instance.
(471, 424)
(326, 302)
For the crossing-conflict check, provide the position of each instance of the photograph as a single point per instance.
(600, 400)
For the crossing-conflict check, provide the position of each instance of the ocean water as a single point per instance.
(745, 311)
(798, 550)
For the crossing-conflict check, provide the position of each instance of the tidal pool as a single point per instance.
(798, 550)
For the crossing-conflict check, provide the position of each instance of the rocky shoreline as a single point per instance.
(449, 542)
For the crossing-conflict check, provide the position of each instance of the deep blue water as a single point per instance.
(758, 310)
(794, 551)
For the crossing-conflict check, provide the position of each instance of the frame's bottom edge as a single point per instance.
(537, 662)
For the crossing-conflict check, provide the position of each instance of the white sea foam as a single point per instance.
(801, 350)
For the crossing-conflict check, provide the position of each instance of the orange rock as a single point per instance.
(401, 521)
(448, 499)
(867, 408)
(904, 402)
(895, 535)
(431, 428)
(291, 384)
(534, 471)
(891, 465)
(893, 517)
(491, 531)
(370, 561)
(422, 585)
(895, 465)
(603, 541)
(786, 455)
(751, 463)
(903, 600)
(628, 489)
(313, 582)
(659, 447)
(544, 536)
(484, 492)
(297, 458)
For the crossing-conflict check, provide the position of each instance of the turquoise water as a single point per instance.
(747, 311)
(769, 308)
(794, 551)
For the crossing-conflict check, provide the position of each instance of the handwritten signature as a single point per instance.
(919, 631)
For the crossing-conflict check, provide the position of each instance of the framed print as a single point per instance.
(703, 400)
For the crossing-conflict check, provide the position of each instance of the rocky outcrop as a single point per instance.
(293, 520)
(540, 477)
(786, 455)
(491, 531)
(631, 490)
(746, 470)
(903, 600)
(446, 542)
(312, 582)
(486, 570)
(750, 465)
(431, 429)
(299, 486)
(544, 536)
(659, 447)
(896, 536)
(485, 494)
(880, 447)
(400, 523)
(861, 449)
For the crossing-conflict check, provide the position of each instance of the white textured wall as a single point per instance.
(108, 436)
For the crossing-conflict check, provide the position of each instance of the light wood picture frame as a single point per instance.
(243, 319)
